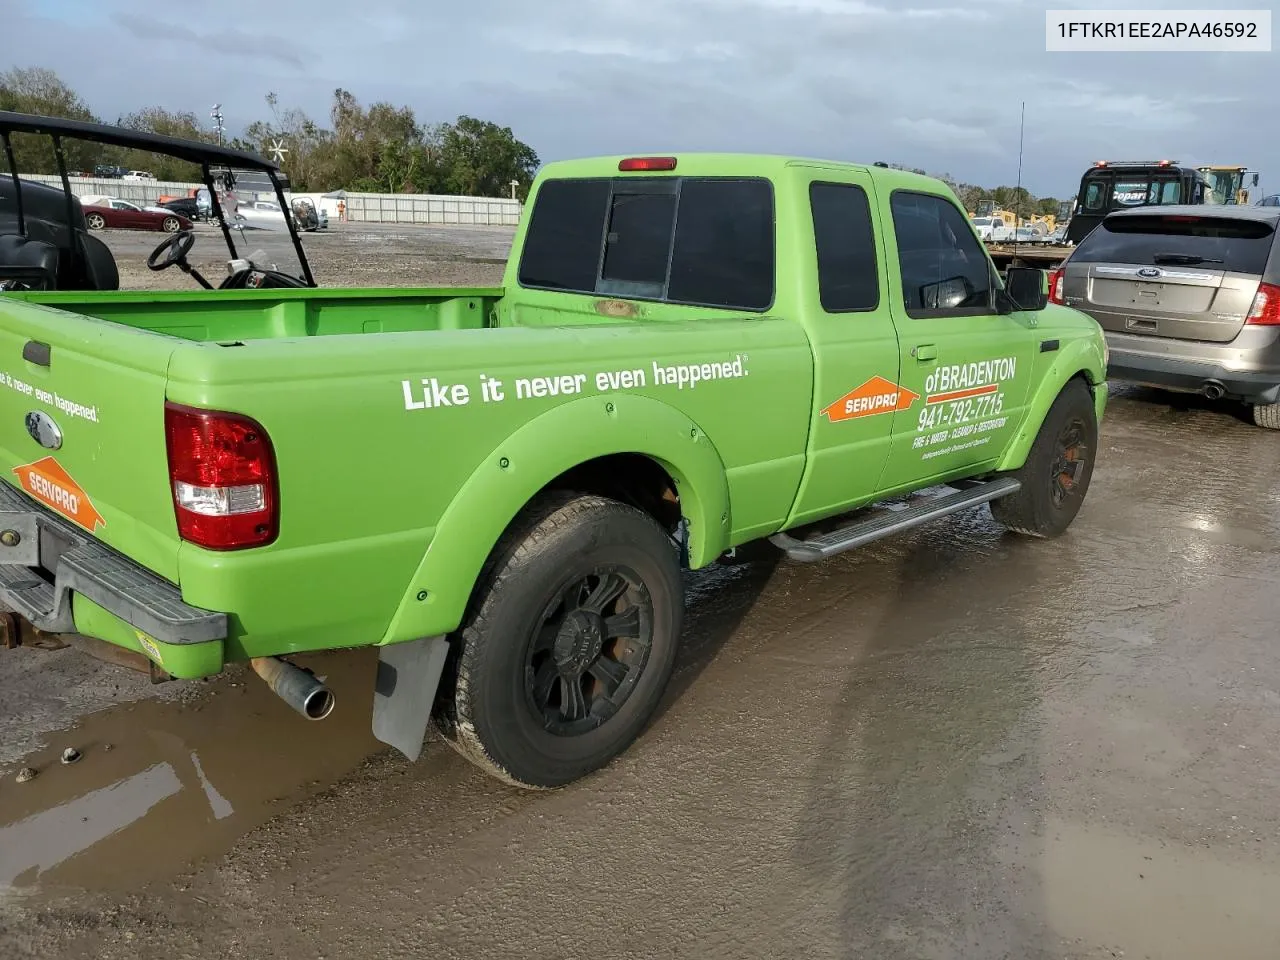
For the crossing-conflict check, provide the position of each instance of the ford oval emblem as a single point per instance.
(43, 430)
(1150, 273)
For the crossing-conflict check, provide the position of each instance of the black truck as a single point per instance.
(1120, 184)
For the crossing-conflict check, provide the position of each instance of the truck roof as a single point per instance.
(720, 164)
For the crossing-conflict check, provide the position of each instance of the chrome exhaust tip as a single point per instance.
(297, 687)
(1214, 391)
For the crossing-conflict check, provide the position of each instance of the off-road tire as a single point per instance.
(1033, 510)
(1267, 415)
(95, 221)
(171, 224)
(485, 708)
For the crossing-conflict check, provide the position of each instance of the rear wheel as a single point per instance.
(171, 224)
(95, 221)
(1056, 474)
(570, 644)
(1267, 415)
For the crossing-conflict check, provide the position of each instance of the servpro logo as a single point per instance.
(877, 395)
(51, 485)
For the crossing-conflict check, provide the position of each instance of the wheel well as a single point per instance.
(629, 478)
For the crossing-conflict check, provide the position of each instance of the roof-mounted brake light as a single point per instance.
(647, 163)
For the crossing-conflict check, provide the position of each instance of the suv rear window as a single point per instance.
(1237, 246)
(703, 241)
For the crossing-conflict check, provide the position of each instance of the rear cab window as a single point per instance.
(1111, 191)
(1235, 245)
(848, 277)
(700, 241)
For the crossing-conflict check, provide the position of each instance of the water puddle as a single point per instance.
(160, 786)
(1152, 898)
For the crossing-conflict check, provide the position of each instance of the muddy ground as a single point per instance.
(955, 744)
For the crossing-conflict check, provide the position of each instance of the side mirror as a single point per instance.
(1255, 180)
(1028, 287)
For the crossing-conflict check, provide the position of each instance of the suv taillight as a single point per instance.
(1266, 306)
(223, 473)
(1055, 286)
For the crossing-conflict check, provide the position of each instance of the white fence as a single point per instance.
(424, 209)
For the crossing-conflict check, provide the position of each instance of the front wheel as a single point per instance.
(1056, 474)
(171, 224)
(569, 645)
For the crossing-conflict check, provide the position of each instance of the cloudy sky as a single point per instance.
(930, 83)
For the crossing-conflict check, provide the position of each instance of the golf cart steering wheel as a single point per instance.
(172, 250)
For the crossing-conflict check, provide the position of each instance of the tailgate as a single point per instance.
(82, 426)
(1179, 302)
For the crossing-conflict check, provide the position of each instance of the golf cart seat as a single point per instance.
(32, 263)
(97, 266)
(83, 261)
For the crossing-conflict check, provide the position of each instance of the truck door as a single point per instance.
(855, 346)
(969, 366)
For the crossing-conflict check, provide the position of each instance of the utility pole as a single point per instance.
(216, 114)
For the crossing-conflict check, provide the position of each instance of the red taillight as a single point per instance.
(1055, 286)
(223, 473)
(1265, 311)
(647, 163)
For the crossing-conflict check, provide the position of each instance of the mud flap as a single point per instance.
(405, 690)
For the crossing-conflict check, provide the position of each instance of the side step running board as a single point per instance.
(888, 523)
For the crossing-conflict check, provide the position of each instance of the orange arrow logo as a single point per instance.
(877, 395)
(51, 485)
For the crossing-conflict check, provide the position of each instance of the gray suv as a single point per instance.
(1189, 299)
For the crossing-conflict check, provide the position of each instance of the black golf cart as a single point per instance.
(46, 245)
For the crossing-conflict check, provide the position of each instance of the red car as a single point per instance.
(110, 212)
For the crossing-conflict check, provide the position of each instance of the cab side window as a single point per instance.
(848, 278)
(945, 271)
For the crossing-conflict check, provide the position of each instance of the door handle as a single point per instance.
(925, 351)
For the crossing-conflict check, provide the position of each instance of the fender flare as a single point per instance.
(1082, 355)
(524, 463)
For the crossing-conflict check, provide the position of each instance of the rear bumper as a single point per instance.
(81, 565)
(1193, 376)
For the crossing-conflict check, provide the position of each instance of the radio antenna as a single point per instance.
(1017, 218)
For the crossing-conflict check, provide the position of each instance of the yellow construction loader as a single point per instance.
(1226, 183)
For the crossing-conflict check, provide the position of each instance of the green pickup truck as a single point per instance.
(499, 487)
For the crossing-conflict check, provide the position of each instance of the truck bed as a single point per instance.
(230, 315)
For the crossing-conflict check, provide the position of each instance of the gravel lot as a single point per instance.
(954, 744)
(345, 255)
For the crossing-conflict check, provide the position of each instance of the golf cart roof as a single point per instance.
(194, 151)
